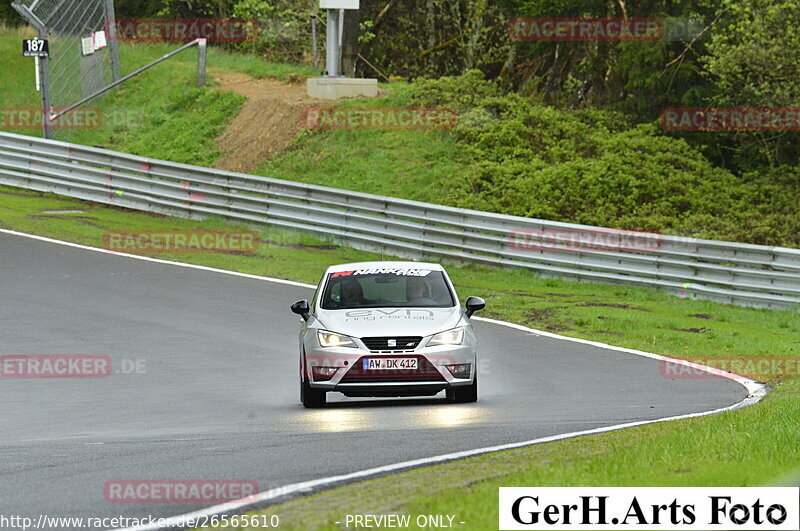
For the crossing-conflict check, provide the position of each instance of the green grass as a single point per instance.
(360, 160)
(419, 162)
(258, 68)
(753, 446)
(744, 448)
(288, 255)
(17, 73)
(160, 113)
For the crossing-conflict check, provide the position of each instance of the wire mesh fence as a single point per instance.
(83, 55)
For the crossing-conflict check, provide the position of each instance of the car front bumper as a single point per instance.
(353, 379)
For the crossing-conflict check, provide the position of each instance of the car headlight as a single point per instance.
(332, 339)
(449, 337)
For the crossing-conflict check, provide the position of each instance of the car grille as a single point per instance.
(401, 343)
(426, 372)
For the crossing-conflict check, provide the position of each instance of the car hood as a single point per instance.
(381, 322)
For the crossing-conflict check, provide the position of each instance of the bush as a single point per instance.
(594, 167)
(8, 16)
(281, 31)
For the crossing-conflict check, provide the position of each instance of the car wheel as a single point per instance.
(310, 397)
(464, 394)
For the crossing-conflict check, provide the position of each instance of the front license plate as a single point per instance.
(391, 364)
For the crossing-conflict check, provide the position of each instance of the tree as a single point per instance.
(137, 8)
(350, 42)
(754, 61)
(8, 15)
(754, 56)
(638, 77)
(432, 38)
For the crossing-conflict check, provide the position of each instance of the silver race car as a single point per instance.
(387, 329)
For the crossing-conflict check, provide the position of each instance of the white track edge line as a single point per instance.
(308, 486)
(156, 260)
(756, 391)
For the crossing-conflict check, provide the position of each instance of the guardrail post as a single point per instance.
(201, 61)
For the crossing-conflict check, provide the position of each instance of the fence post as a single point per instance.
(47, 104)
(113, 48)
(201, 62)
(47, 123)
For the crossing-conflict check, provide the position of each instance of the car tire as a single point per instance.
(466, 394)
(310, 397)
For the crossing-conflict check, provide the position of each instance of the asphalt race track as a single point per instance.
(218, 393)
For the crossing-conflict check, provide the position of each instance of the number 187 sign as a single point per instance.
(35, 48)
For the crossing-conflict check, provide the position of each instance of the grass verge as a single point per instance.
(420, 162)
(748, 447)
(160, 113)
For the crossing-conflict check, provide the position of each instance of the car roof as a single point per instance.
(385, 265)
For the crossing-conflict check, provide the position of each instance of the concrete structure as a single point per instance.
(333, 88)
(334, 85)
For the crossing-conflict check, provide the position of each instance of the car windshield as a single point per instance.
(387, 288)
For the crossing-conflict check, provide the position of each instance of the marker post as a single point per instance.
(39, 49)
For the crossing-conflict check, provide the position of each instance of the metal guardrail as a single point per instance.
(729, 272)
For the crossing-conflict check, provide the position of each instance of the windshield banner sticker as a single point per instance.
(384, 271)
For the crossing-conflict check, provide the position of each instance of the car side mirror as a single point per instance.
(475, 304)
(302, 308)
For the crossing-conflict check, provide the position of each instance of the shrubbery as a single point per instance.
(593, 167)
(8, 16)
(280, 30)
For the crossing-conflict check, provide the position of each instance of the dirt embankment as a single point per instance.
(268, 122)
